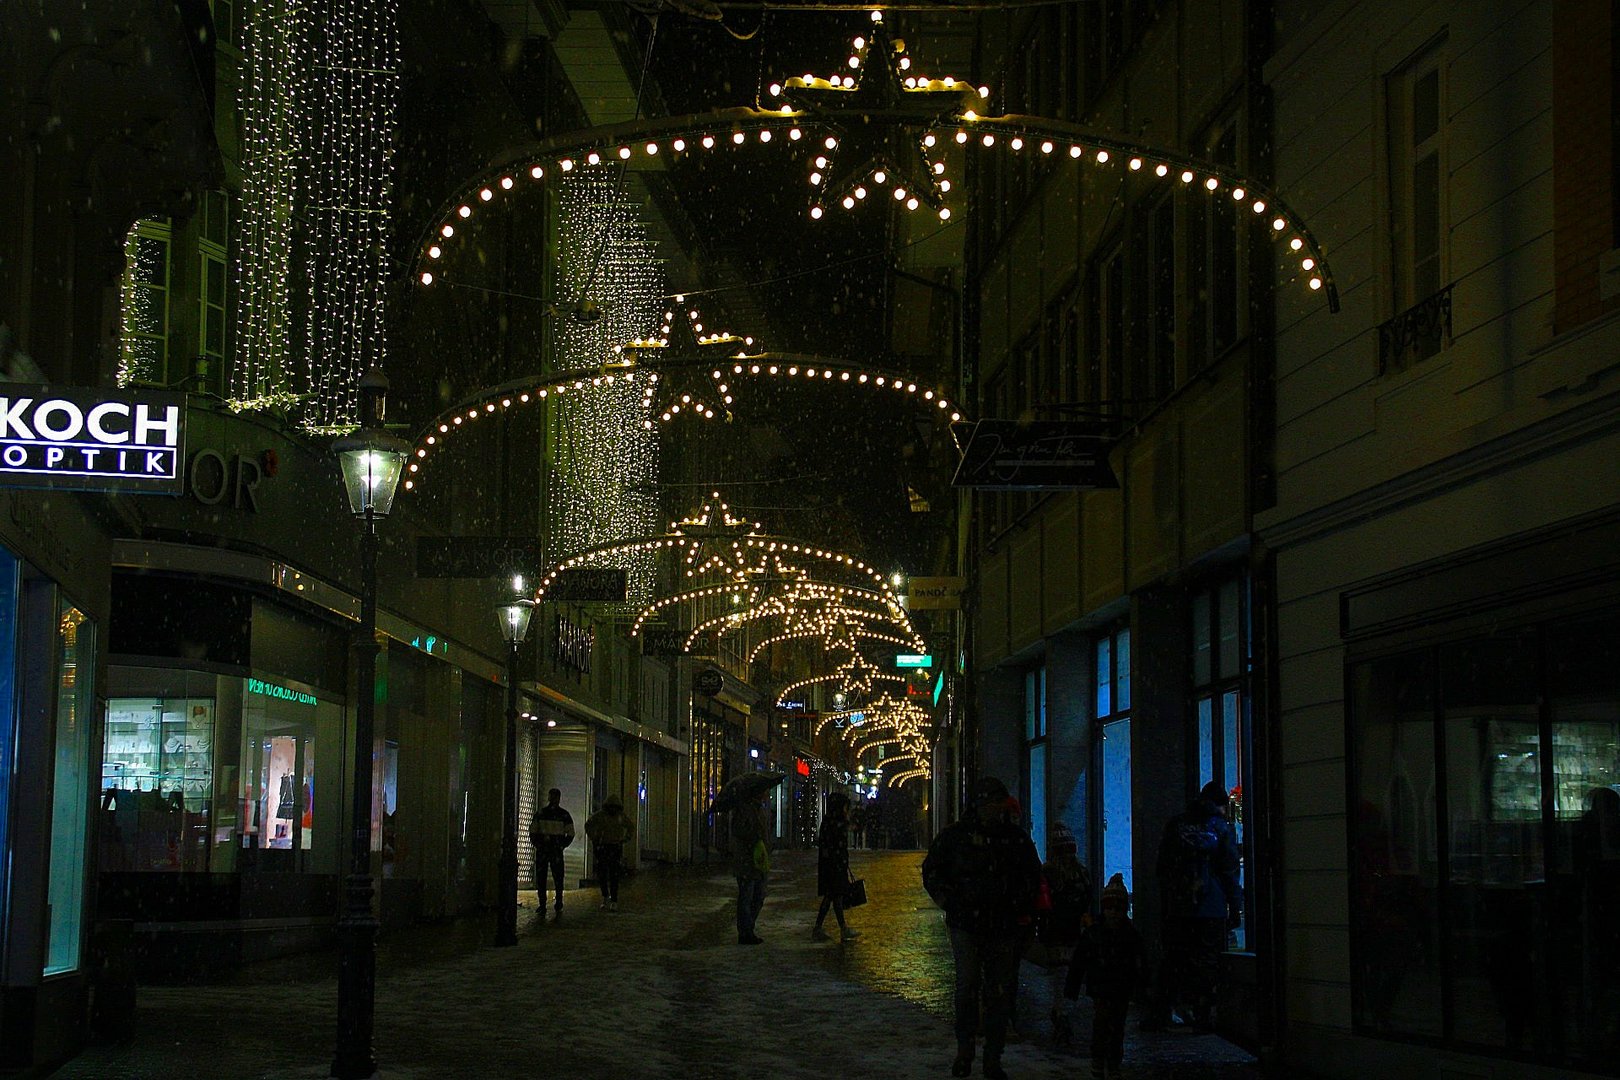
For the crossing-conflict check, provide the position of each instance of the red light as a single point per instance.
(802, 766)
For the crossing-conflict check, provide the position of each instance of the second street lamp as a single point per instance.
(372, 462)
(513, 617)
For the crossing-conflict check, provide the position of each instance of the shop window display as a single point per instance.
(157, 778)
(70, 789)
(1486, 891)
(9, 568)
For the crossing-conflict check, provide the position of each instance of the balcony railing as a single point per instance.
(1416, 334)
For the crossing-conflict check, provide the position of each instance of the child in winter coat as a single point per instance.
(1112, 964)
(1063, 917)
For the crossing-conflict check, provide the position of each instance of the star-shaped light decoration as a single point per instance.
(716, 539)
(874, 108)
(680, 356)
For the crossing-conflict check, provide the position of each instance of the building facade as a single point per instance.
(1448, 720)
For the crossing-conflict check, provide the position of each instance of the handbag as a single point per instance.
(854, 892)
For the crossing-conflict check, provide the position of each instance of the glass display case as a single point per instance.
(161, 745)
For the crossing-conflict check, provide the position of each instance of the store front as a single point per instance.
(48, 720)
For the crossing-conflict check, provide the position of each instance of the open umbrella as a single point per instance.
(741, 790)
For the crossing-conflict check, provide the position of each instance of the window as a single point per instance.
(1414, 102)
(212, 280)
(1415, 130)
(75, 717)
(1103, 386)
(145, 304)
(1215, 269)
(1111, 681)
(1220, 670)
(1485, 841)
(1035, 756)
(228, 18)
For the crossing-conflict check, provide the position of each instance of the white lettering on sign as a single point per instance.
(54, 437)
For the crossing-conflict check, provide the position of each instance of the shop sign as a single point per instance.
(665, 642)
(573, 645)
(210, 479)
(791, 706)
(932, 594)
(708, 682)
(587, 584)
(1046, 455)
(476, 556)
(801, 766)
(91, 439)
(939, 688)
(280, 693)
(913, 660)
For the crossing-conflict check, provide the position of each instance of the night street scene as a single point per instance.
(732, 539)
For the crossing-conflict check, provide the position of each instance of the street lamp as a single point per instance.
(514, 616)
(372, 462)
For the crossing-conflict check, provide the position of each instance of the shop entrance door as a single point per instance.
(280, 796)
(1116, 801)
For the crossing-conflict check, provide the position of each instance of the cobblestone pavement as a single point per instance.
(657, 989)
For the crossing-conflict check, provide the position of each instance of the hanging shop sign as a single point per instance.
(932, 594)
(708, 682)
(1047, 455)
(573, 645)
(666, 642)
(585, 584)
(913, 660)
(92, 439)
(477, 556)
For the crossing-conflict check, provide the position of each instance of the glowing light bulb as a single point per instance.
(1017, 144)
(776, 89)
(795, 134)
(1307, 264)
(849, 202)
(708, 142)
(911, 204)
(679, 145)
(1135, 163)
(1316, 283)
(447, 231)
(738, 137)
(877, 16)
(944, 185)
(1102, 156)
(427, 278)
(929, 140)
(1212, 183)
(899, 194)
(464, 211)
(486, 194)
(1076, 151)
(860, 193)
(506, 183)
(815, 212)
(1259, 206)
(879, 176)
(830, 143)
(1237, 194)
(989, 140)
(944, 213)
(435, 251)
(593, 158)
(537, 172)
(1161, 169)
(961, 136)
(815, 179)
(854, 62)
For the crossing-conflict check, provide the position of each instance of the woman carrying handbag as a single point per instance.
(832, 866)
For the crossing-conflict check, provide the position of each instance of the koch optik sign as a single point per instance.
(92, 439)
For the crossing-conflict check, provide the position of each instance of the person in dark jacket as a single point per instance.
(832, 867)
(1068, 888)
(609, 830)
(983, 870)
(1111, 963)
(1197, 867)
(551, 830)
(750, 864)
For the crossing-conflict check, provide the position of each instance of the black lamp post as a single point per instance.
(372, 462)
(514, 617)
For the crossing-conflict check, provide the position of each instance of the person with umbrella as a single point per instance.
(832, 866)
(744, 796)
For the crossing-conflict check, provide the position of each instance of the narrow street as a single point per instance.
(658, 989)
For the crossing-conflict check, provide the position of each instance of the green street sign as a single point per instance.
(913, 660)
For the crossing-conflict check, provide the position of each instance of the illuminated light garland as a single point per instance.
(347, 201)
(1003, 131)
(602, 495)
(272, 99)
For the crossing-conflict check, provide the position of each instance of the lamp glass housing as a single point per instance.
(514, 618)
(372, 464)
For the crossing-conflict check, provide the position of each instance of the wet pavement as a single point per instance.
(658, 989)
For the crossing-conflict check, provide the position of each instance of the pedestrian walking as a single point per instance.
(1201, 900)
(857, 825)
(983, 870)
(551, 830)
(832, 867)
(1111, 963)
(750, 863)
(609, 830)
(1067, 910)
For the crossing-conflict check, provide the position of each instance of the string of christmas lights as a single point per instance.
(602, 496)
(272, 97)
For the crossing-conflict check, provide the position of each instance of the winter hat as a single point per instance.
(1115, 892)
(612, 800)
(1060, 841)
(1215, 794)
